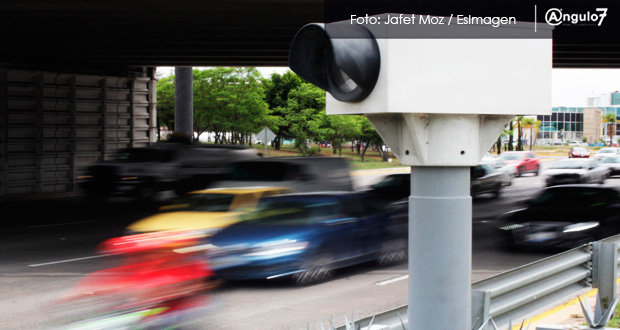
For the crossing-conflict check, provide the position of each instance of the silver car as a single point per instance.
(613, 164)
(606, 152)
(576, 170)
(508, 172)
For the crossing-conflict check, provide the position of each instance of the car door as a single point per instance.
(599, 171)
(363, 232)
(479, 180)
(530, 162)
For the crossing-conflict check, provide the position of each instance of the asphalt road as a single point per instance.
(47, 247)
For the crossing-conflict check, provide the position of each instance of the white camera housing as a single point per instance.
(441, 101)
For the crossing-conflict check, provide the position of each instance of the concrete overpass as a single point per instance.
(76, 77)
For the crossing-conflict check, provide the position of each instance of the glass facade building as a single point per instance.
(615, 98)
(563, 123)
(567, 123)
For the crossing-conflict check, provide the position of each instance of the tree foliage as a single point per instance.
(233, 103)
(165, 102)
(277, 90)
(610, 120)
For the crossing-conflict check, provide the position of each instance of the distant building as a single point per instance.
(615, 98)
(593, 124)
(574, 123)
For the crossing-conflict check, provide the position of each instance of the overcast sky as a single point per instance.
(570, 87)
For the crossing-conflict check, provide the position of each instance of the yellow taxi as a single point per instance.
(205, 210)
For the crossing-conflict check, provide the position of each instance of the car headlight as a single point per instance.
(581, 226)
(277, 248)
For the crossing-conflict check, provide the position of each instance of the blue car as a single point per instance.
(308, 236)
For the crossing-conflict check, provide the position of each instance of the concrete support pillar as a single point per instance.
(440, 232)
(183, 101)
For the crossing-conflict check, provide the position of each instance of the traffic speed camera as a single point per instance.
(348, 68)
(438, 99)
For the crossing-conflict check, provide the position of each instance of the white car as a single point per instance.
(606, 152)
(576, 170)
(508, 172)
(613, 164)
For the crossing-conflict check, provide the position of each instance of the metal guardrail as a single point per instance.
(522, 292)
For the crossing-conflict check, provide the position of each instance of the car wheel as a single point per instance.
(316, 269)
(537, 171)
(393, 252)
(520, 172)
(497, 192)
(145, 192)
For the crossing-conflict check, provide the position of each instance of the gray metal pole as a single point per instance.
(183, 101)
(440, 248)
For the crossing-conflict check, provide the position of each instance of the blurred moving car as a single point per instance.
(606, 152)
(523, 161)
(141, 172)
(391, 188)
(307, 237)
(485, 179)
(205, 211)
(576, 171)
(162, 283)
(578, 152)
(301, 174)
(613, 164)
(564, 217)
(396, 187)
(508, 172)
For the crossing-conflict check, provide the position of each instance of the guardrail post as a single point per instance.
(604, 271)
(480, 302)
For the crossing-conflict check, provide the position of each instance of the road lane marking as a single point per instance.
(62, 224)
(392, 280)
(69, 260)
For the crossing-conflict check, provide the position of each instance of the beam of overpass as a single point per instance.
(112, 34)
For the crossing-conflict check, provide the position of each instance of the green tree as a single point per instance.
(511, 136)
(229, 100)
(342, 128)
(370, 137)
(305, 114)
(277, 90)
(519, 134)
(531, 124)
(610, 120)
(165, 104)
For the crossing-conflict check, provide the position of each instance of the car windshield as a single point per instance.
(569, 164)
(392, 181)
(293, 212)
(202, 202)
(264, 171)
(608, 160)
(144, 155)
(573, 198)
(579, 150)
(511, 156)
